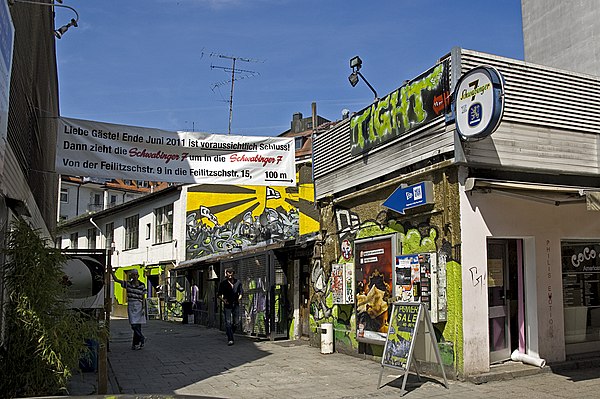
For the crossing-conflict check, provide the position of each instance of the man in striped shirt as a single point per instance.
(135, 306)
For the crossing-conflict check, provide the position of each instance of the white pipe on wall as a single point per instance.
(525, 358)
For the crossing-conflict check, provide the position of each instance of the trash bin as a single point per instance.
(88, 362)
(326, 338)
(186, 310)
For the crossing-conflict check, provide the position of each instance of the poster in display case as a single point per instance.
(342, 283)
(374, 285)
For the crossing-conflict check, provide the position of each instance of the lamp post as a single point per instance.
(60, 31)
(356, 64)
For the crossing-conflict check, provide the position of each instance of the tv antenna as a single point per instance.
(245, 74)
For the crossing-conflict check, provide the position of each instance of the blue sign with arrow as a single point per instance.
(410, 197)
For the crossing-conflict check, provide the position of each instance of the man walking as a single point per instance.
(230, 293)
(135, 306)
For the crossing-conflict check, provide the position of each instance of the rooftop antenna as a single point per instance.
(233, 70)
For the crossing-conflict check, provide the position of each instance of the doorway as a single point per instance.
(505, 298)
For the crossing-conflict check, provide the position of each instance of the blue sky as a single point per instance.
(148, 62)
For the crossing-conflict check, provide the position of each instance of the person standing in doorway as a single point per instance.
(135, 306)
(230, 293)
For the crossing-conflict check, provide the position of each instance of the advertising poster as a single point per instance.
(349, 283)
(337, 283)
(403, 325)
(342, 283)
(373, 284)
(407, 274)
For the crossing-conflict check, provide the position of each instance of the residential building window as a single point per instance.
(132, 232)
(113, 199)
(164, 223)
(148, 231)
(64, 195)
(109, 233)
(91, 238)
(74, 241)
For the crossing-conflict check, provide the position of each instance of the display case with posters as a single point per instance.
(374, 259)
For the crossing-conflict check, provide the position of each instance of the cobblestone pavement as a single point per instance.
(187, 359)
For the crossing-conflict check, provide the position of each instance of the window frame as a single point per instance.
(163, 222)
(65, 192)
(132, 232)
(91, 238)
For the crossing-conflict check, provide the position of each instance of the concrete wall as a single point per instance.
(562, 34)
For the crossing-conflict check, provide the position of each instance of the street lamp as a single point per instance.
(356, 64)
(60, 31)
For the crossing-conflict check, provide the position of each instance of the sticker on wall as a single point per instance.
(346, 249)
(478, 102)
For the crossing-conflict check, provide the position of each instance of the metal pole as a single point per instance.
(231, 95)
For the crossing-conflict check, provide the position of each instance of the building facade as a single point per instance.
(488, 246)
(562, 34)
(28, 107)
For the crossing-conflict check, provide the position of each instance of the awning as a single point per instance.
(541, 192)
(211, 259)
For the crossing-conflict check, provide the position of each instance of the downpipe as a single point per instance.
(525, 358)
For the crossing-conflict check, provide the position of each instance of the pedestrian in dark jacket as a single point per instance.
(230, 293)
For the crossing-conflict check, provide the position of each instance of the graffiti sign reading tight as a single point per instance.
(405, 109)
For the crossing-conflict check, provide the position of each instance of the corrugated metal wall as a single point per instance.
(32, 112)
(551, 120)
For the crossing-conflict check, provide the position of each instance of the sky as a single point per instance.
(159, 64)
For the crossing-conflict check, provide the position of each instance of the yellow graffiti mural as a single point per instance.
(221, 217)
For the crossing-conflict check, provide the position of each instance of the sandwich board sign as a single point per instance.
(405, 321)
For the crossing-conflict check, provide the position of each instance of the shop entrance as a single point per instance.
(505, 298)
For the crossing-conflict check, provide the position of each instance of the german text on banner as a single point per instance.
(106, 150)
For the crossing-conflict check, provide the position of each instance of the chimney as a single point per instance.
(314, 116)
(297, 122)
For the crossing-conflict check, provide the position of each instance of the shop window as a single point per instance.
(581, 290)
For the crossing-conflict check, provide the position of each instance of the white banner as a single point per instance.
(97, 149)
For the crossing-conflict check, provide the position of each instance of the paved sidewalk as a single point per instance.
(181, 359)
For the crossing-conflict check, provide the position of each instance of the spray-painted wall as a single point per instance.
(224, 218)
(433, 228)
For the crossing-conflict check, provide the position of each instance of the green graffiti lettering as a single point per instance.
(356, 127)
(381, 118)
(397, 113)
(416, 89)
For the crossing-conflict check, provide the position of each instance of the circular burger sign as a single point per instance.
(479, 102)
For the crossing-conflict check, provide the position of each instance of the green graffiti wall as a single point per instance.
(432, 231)
(405, 109)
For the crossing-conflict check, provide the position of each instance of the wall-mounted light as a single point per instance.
(60, 31)
(356, 64)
